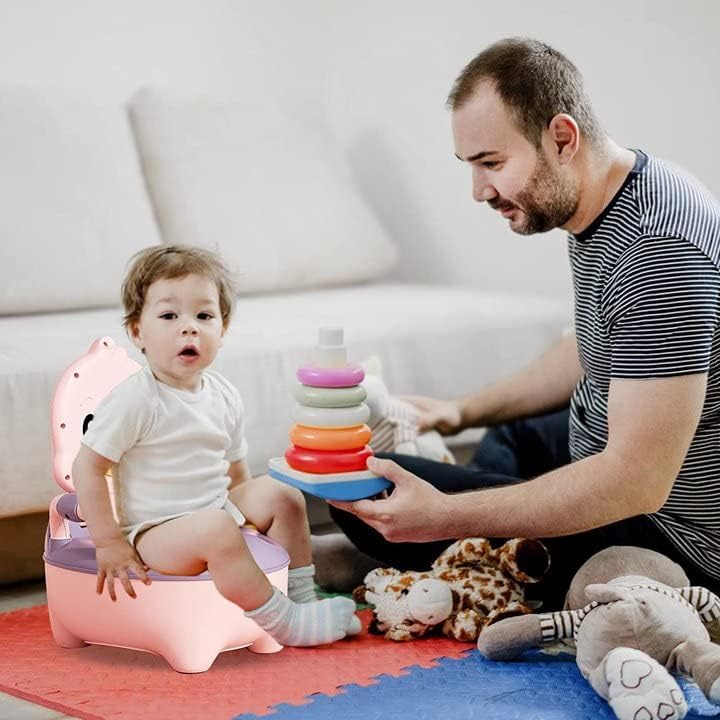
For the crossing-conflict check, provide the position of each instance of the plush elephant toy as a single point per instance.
(470, 583)
(633, 618)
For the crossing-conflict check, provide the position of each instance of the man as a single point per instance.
(613, 436)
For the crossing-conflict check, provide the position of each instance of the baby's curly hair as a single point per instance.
(168, 262)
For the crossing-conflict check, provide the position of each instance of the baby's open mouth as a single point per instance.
(189, 351)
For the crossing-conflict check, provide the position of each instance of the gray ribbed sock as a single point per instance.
(303, 624)
(301, 584)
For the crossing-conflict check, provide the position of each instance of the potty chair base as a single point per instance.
(183, 619)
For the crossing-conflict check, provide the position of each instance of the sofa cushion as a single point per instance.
(72, 198)
(271, 193)
(432, 340)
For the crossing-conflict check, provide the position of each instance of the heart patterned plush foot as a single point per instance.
(642, 689)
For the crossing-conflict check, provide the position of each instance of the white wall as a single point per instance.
(380, 71)
(651, 68)
(111, 48)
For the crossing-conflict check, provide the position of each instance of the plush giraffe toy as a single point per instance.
(470, 583)
(633, 617)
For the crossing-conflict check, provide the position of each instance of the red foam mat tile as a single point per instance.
(103, 683)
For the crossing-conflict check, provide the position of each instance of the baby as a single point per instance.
(174, 435)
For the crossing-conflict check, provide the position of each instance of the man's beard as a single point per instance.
(547, 201)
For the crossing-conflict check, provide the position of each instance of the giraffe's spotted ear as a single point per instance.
(525, 560)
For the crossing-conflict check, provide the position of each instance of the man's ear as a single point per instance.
(565, 136)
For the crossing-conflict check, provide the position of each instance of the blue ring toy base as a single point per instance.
(346, 490)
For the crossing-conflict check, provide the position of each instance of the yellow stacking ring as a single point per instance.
(319, 438)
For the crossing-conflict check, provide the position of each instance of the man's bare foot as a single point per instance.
(339, 566)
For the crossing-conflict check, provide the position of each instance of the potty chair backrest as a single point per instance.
(79, 391)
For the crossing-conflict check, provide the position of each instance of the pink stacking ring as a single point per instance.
(331, 377)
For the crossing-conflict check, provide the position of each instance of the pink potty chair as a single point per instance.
(183, 619)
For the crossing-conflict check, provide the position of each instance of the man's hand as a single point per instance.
(441, 415)
(114, 559)
(414, 512)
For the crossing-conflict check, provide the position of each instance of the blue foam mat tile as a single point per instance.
(537, 687)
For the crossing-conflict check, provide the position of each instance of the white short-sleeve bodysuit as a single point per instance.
(172, 448)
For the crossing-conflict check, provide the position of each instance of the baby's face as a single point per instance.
(180, 329)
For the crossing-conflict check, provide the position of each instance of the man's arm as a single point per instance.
(651, 425)
(545, 385)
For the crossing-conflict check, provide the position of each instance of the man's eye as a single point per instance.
(204, 316)
(168, 316)
(491, 165)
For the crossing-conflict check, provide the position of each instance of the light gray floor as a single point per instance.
(12, 708)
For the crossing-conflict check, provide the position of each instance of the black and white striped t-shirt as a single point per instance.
(646, 275)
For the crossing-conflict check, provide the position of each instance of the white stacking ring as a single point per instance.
(329, 397)
(332, 417)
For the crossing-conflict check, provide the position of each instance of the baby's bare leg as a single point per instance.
(278, 511)
(210, 539)
(207, 540)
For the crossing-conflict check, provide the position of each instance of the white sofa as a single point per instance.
(86, 184)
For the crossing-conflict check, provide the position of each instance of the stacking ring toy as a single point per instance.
(338, 486)
(331, 377)
(329, 397)
(332, 417)
(322, 462)
(312, 438)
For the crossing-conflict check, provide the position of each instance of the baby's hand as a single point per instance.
(114, 559)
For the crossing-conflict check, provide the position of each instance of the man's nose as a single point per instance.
(482, 190)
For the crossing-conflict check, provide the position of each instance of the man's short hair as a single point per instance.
(535, 81)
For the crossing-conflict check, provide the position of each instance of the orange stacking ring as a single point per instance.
(323, 462)
(317, 438)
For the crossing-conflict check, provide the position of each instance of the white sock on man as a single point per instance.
(301, 584)
(304, 624)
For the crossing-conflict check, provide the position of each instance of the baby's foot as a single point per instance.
(304, 624)
(642, 689)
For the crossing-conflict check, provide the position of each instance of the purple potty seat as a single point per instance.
(78, 551)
